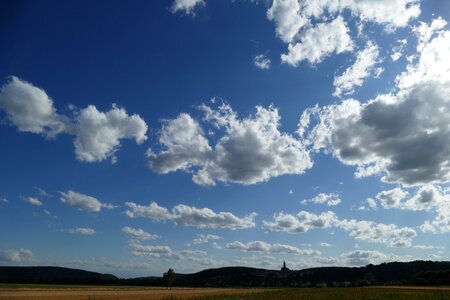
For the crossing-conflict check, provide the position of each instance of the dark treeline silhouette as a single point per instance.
(396, 273)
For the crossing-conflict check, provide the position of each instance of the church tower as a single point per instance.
(284, 269)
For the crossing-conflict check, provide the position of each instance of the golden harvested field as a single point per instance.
(110, 293)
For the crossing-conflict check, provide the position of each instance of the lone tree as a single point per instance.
(169, 276)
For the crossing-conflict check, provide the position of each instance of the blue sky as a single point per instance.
(197, 134)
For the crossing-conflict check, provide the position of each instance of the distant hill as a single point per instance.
(395, 273)
(53, 275)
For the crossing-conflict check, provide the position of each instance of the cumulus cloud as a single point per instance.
(186, 6)
(184, 215)
(389, 13)
(402, 136)
(83, 202)
(372, 232)
(441, 222)
(16, 256)
(287, 18)
(184, 146)
(251, 150)
(331, 199)
(261, 61)
(426, 198)
(29, 108)
(33, 201)
(368, 204)
(293, 21)
(163, 251)
(326, 245)
(433, 62)
(425, 31)
(260, 246)
(355, 74)
(140, 234)
(82, 231)
(397, 51)
(318, 42)
(137, 249)
(391, 198)
(369, 231)
(97, 134)
(205, 238)
(152, 211)
(303, 222)
(363, 257)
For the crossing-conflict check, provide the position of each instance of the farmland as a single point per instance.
(41, 292)
(18, 292)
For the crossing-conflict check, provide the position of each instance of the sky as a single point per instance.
(194, 134)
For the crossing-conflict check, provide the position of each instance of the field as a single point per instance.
(53, 292)
(41, 292)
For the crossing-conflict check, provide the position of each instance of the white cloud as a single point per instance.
(396, 55)
(163, 251)
(355, 75)
(397, 51)
(426, 198)
(184, 215)
(287, 18)
(260, 246)
(392, 198)
(433, 63)
(318, 42)
(302, 222)
(363, 257)
(152, 211)
(48, 213)
(82, 231)
(184, 146)
(153, 251)
(372, 232)
(403, 137)
(97, 134)
(424, 247)
(3, 200)
(369, 204)
(261, 61)
(33, 201)
(205, 238)
(186, 6)
(293, 21)
(441, 222)
(425, 31)
(42, 192)
(387, 12)
(81, 202)
(369, 231)
(16, 256)
(325, 245)
(140, 234)
(30, 108)
(251, 150)
(331, 199)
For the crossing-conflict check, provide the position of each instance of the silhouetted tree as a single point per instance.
(169, 276)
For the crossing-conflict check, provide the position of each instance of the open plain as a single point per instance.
(152, 293)
(16, 292)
